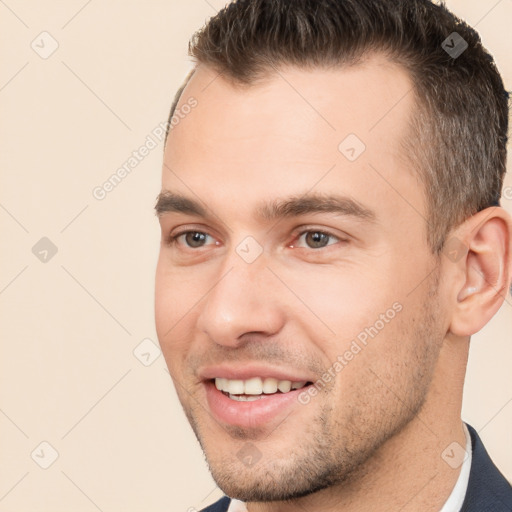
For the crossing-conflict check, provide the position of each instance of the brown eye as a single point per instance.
(191, 239)
(195, 238)
(317, 239)
(313, 239)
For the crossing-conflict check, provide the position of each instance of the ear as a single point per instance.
(483, 270)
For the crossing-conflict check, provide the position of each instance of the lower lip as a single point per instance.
(250, 414)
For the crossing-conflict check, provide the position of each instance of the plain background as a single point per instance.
(68, 372)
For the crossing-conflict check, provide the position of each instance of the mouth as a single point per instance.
(255, 388)
(253, 402)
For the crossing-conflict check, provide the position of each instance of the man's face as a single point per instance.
(342, 298)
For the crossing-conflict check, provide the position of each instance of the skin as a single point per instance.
(372, 438)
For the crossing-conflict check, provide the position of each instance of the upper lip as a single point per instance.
(250, 370)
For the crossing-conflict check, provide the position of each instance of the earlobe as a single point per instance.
(486, 270)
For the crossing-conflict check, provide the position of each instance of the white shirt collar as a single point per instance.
(237, 506)
(456, 498)
(452, 504)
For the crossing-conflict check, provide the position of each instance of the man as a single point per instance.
(331, 239)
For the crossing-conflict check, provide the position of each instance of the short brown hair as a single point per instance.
(458, 132)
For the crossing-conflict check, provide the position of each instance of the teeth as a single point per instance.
(284, 386)
(220, 383)
(244, 398)
(270, 385)
(253, 386)
(236, 387)
(256, 386)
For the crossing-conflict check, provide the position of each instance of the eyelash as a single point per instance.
(173, 239)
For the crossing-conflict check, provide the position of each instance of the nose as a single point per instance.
(242, 300)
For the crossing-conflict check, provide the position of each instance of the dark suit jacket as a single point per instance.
(488, 490)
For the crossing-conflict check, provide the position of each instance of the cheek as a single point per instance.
(176, 291)
(340, 300)
(175, 297)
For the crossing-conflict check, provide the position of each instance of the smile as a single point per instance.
(253, 402)
(255, 388)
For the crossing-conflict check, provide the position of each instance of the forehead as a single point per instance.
(298, 130)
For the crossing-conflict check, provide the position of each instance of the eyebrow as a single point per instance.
(293, 206)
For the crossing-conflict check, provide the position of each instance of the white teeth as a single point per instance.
(236, 387)
(221, 384)
(244, 398)
(284, 386)
(256, 386)
(253, 386)
(270, 385)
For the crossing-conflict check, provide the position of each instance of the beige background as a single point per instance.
(68, 373)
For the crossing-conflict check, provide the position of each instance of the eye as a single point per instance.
(192, 239)
(316, 239)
